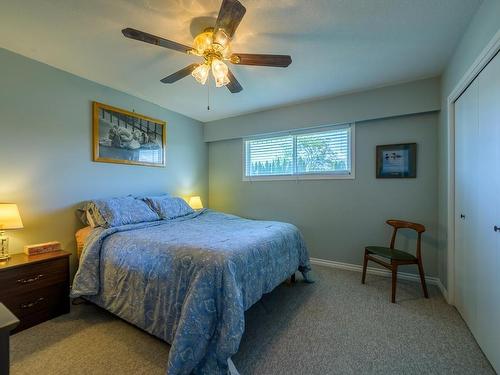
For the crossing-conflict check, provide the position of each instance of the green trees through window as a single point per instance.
(318, 152)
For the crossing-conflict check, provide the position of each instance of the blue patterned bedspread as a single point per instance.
(189, 280)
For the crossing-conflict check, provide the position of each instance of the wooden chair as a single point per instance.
(397, 257)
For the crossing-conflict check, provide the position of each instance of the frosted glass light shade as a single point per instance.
(9, 217)
(201, 73)
(195, 202)
(221, 43)
(220, 71)
(221, 38)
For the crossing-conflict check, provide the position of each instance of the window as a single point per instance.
(316, 153)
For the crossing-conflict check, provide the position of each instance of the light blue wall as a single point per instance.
(45, 150)
(337, 217)
(407, 98)
(484, 25)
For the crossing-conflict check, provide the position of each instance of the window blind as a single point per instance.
(323, 152)
(270, 156)
(313, 152)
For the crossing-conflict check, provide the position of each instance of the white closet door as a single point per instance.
(488, 205)
(466, 177)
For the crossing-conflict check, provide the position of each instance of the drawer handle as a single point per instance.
(30, 280)
(31, 304)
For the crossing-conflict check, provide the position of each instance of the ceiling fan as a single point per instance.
(214, 45)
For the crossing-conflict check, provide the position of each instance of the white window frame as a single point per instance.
(304, 176)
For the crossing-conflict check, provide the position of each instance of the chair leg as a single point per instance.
(422, 278)
(394, 281)
(365, 263)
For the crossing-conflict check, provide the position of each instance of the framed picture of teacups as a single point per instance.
(125, 137)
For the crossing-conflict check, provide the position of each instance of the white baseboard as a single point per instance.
(381, 272)
(443, 290)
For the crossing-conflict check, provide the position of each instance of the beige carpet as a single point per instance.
(336, 326)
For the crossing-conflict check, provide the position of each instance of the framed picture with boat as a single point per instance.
(124, 137)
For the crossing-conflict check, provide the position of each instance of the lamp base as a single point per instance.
(4, 246)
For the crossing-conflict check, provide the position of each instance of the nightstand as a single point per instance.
(35, 288)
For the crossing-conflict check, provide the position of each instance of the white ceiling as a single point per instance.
(336, 45)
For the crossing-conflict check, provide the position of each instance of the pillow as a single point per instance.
(81, 213)
(114, 212)
(89, 215)
(81, 237)
(169, 207)
(161, 195)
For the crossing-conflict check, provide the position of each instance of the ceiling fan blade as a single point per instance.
(280, 61)
(180, 74)
(153, 39)
(230, 15)
(233, 85)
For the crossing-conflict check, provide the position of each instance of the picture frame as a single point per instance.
(124, 137)
(396, 161)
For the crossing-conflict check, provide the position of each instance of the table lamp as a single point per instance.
(195, 202)
(9, 219)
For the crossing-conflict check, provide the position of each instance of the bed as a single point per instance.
(189, 280)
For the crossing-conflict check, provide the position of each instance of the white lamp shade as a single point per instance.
(195, 202)
(9, 217)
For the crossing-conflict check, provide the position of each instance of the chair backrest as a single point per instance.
(401, 224)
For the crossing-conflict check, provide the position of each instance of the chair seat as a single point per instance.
(389, 253)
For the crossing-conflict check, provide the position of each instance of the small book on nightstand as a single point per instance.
(42, 248)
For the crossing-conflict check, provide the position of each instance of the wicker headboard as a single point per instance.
(81, 237)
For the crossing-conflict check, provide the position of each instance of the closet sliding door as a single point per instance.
(466, 192)
(477, 209)
(488, 205)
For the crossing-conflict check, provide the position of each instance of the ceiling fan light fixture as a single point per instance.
(224, 52)
(201, 73)
(221, 38)
(203, 42)
(223, 81)
(220, 72)
(214, 46)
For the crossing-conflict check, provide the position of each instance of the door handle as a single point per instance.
(496, 229)
(462, 216)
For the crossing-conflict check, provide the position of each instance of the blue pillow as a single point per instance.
(161, 195)
(114, 212)
(169, 207)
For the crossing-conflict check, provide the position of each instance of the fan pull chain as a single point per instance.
(208, 94)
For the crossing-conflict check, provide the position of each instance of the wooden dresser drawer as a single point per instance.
(37, 275)
(39, 305)
(35, 288)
